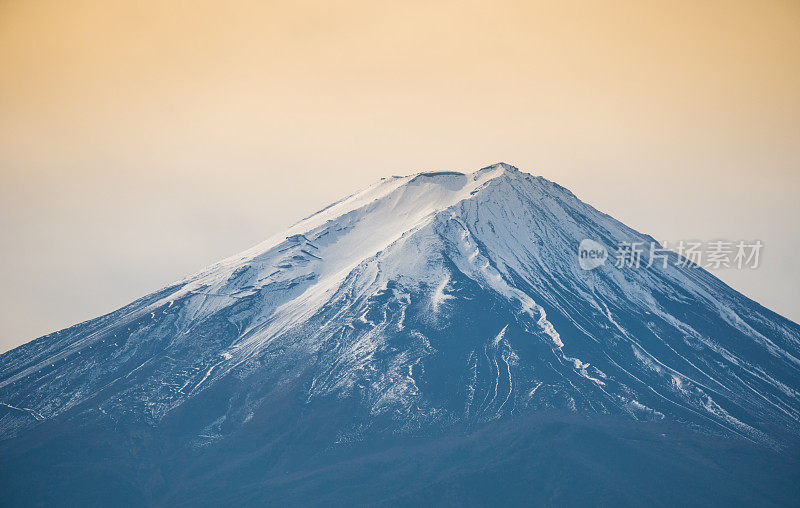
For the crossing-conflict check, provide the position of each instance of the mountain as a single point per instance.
(416, 321)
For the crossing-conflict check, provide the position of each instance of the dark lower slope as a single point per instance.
(541, 460)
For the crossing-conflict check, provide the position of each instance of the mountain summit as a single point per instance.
(436, 304)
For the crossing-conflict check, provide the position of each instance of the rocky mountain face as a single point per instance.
(420, 308)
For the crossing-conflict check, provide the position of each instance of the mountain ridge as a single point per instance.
(429, 338)
(362, 300)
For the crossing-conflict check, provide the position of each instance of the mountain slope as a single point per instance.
(421, 305)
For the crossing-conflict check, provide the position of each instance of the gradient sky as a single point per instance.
(143, 140)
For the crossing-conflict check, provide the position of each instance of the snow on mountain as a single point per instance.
(422, 303)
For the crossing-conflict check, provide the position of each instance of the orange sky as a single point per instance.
(141, 140)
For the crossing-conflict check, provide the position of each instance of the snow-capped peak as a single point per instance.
(429, 300)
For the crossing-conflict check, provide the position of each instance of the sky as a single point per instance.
(143, 140)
